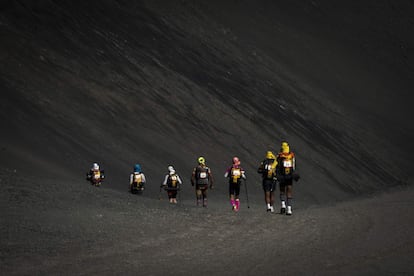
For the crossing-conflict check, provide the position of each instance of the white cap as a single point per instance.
(95, 166)
(171, 169)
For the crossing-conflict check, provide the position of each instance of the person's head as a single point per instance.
(270, 155)
(137, 168)
(95, 167)
(236, 161)
(285, 147)
(171, 169)
(201, 160)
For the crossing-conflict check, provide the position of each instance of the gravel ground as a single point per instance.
(83, 230)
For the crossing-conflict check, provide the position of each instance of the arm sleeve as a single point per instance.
(227, 172)
(165, 180)
(131, 178)
(243, 172)
(294, 162)
(144, 180)
(179, 179)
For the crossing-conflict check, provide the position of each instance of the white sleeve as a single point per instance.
(179, 179)
(143, 178)
(131, 178)
(165, 180)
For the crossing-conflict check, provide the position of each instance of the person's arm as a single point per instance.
(210, 179)
(179, 180)
(193, 178)
(296, 176)
(261, 168)
(279, 166)
(165, 180)
(143, 179)
(131, 178)
(89, 175)
(275, 166)
(243, 173)
(226, 173)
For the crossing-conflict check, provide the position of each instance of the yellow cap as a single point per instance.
(201, 160)
(270, 155)
(285, 147)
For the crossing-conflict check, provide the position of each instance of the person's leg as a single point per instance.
(272, 195)
(289, 199)
(198, 195)
(266, 189)
(204, 192)
(169, 196)
(236, 196)
(267, 199)
(282, 195)
(174, 196)
(231, 196)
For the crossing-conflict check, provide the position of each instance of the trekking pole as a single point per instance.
(247, 195)
(159, 195)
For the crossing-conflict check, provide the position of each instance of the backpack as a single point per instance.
(137, 178)
(172, 181)
(96, 175)
(269, 169)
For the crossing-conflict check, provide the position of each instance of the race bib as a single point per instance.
(236, 172)
(203, 175)
(287, 164)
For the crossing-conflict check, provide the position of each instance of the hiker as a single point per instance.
(137, 180)
(267, 169)
(286, 175)
(95, 175)
(171, 184)
(235, 173)
(202, 179)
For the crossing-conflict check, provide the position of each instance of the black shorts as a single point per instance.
(234, 188)
(172, 193)
(269, 185)
(201, 186)
(285, 180)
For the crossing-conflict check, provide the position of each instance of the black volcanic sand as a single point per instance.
(71, 228)
(163, 82)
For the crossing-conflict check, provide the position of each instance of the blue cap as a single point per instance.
(137, 168)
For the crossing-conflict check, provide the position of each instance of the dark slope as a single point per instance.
(161, 83)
